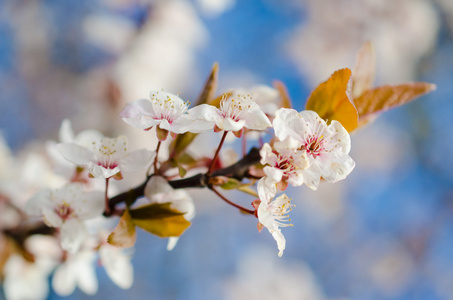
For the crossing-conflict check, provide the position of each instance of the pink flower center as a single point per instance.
(64, 211)
(314, 145)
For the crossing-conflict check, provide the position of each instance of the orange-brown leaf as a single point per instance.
(284, 96)
(210, 86)
(332, 100)
(124, 234)
(364, 70)
(385, 97)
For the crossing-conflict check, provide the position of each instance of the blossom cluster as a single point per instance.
(80, 215)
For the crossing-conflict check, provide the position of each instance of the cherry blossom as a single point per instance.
(273, 213)
(66, 208)
(285, 163)
(78, 270)
(326, 146)
(236, 113)
(158, 190)
(118, 265)
(166, 111)
(107, 157)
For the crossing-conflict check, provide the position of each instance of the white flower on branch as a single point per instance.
(236, 113)
(66, 208)
(118, 265)
(158, 190)
(285, 163)
(326, 146)
(77, 271)
(166, 111)
(273, 213)
(108, 157)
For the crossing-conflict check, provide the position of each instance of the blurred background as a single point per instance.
(386, 232)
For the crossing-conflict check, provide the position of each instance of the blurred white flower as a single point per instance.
(235, 113)
(26, 280)
(66, 208)
(108, 157)
(158, 190)
(78, 270)
(118, 265)
(327, 147)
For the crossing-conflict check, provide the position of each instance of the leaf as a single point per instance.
(210, 86)
(364, 70)
(160, 219)
(230, 184)
(182, 172)
(248, 190)
(124, 234)
(332, 100)
(284, 96)
(385, 97)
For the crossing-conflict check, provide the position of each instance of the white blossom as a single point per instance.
(66, 208)
(77, 271)
(118, 265)
(326, 146)
(164, 110)
(236, 113)
(285, 163)
(107, 157)
(273, 213)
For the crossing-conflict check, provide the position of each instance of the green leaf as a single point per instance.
(182, 171)
(124, 234)
(160, 219)
(231, 184)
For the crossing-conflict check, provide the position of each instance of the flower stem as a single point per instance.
(244, 143)
(156, 171)
(107, 206)
(217, 153)
(249, 211)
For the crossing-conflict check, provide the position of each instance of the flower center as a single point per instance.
(109, 151)
(314, 145)
(235, 107)
(280, 208)
(64, 210)
(167, 108)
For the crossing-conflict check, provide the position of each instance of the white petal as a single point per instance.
(281, 241)
(341, 136)
(75, 153)
(101, 172)
(87, 137)
(51, 218)
(267, 155)
(274, 174)
(86, 275)
(204, 112)
(288, 122)
(172, 241)
(157, 185)
(266, 189)
(64, 280)
(72, 234)
(137, 160)
(66, 134)
(312, 176)
(229, 124)
(37, 202)
(288, 143)
(256, 119)
(89, 205)
(139, 114)
(117, 265)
